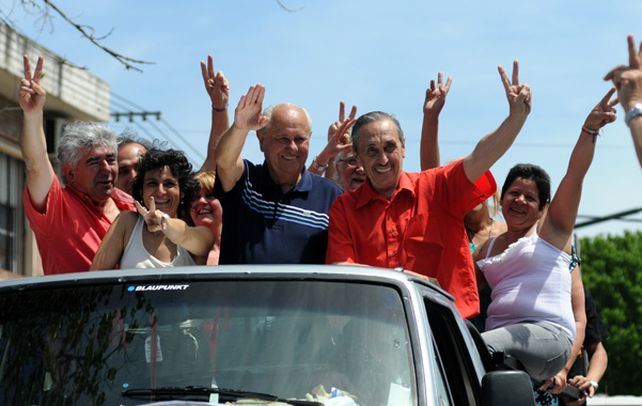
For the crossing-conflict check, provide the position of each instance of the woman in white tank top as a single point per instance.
(531, 316)
(156, 237)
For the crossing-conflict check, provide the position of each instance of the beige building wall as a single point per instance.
(72, 94)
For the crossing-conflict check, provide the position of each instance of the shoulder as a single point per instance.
(126, 220)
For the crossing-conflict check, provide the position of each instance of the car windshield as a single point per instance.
(87, 344)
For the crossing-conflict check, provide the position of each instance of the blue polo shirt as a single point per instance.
(263, 225)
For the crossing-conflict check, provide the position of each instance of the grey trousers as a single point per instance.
(541, 347)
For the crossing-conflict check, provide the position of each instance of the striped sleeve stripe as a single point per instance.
(272, 210)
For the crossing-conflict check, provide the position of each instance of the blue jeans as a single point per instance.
(541, 347)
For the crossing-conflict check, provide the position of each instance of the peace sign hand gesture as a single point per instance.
(153, 218)
(603, 113)
(436, 96)
(216, 85)
(32, 94)
(518, 95)
(334, 127)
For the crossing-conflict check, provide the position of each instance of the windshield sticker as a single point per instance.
(151, 288)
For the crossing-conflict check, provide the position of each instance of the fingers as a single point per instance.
(515, 72)
(342, 111)
(38, 73)
(141, 209)
(614, 102)
(152, 204)
(634, 58)
(448, 83)
(504, 78)
(210, 66)
(615, 71)
(439, 79)
(204, 74)
(432, 87)
(27, 67)
(604, 103)
(353, 112)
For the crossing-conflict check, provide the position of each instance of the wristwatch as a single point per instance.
(633, 113)
(594, 384)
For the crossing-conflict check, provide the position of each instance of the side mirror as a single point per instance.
(507, 388)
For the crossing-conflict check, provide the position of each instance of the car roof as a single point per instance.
(228, 272)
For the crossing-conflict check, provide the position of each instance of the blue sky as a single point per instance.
(379, 55)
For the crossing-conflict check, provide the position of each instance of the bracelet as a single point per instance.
(320, 166)
(590, 131)
(219, 110)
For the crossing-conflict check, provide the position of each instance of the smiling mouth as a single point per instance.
(383, 169)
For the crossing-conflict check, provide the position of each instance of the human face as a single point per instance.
(520, 204)
(285, 143)
(95, 173)
(163, 186)
(201, 209)
(351, 173)
(381, 152)
(128, 157)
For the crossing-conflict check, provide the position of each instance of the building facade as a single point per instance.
(72, 94)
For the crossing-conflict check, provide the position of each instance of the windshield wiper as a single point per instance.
(203, 393)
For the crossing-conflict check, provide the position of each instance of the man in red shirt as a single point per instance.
(416, 220)
(70, 222)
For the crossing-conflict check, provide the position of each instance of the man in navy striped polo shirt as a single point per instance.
(276, 212)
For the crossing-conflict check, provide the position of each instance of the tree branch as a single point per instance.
(130, 63)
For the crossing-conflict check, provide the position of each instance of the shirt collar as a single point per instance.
(304, 184)
(366, 193)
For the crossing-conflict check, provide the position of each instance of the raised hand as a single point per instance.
(436, 95)
(32, 94)
(248, 114)
(335, 126)
(153, 218)
(216, 84)
(518, 95)
(603, 113)
(628, 79)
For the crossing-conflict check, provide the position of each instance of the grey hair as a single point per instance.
(372, 117)
(80, 136)
(268, 113)
(128, 137)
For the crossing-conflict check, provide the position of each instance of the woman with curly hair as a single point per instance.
(156, 236)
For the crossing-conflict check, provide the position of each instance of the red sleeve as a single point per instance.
(41, 222)
(340, 246)
(459, 195)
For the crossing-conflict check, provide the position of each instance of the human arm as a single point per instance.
(433, 103)
(114, 242)
(597, 367)
(337, 142)
(492, 146)
(197, 240)
(40, 173)
(218, 89)
(559, 220)
(247, 116)
(628, 82)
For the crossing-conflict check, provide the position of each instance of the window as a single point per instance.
(453, 354)
(11, 214)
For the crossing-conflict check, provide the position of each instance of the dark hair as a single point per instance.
(180, 167)
(534, 173)
(372, 117)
